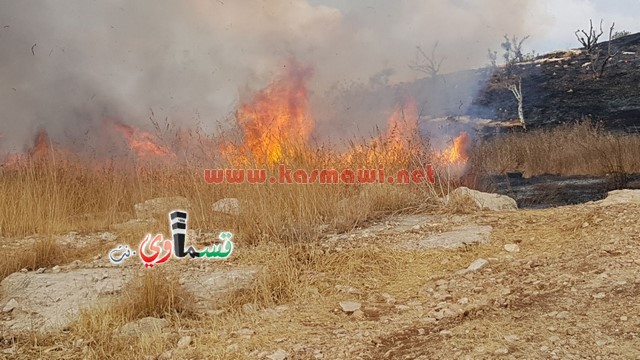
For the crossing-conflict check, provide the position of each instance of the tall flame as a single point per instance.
(457, 153)
(277, 119)
(142, 143)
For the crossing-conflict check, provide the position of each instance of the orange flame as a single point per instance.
(457, 153)
(277, 120)
(142, 143)
(403, 126)
(41, 150)
(398, 144)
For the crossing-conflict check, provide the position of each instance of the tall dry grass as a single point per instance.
(53, 195)
(580, 148)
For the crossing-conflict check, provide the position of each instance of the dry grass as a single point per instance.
(42, 254)
(581, 148)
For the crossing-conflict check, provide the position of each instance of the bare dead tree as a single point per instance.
(493, 58)
(515, 86)
(512, 52)
(428, 64)
(600, 59)
(589, 40)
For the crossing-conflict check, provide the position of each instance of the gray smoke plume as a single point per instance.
(66, 66)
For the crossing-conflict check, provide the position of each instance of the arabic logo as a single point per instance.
(156, 250)
(125, 254)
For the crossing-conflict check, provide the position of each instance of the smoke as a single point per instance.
(68, 65)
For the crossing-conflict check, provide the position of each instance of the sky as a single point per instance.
(65, 66)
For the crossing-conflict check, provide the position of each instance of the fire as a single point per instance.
(277, 120)
(457, 153)
(403, 126)
(398, 144)
(42, 149)
(142, 143)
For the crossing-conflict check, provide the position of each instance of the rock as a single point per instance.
(444, 333)
(40, 270)
(512, 248)
(620, 197)
(278, 355)
(161, 207)
(107, 236)
(484, 201)
(456, 238)
(562, 315)
(347, 289)
(244, 333)
(388, 298)
(512, 338)
(477, 265)
(501, 351)
(229, 206)
(50, 301)
(144, 325)
(184, 342)
(233, 348)
(350, 306)
(208, 287)
(599, 295)
(11, 304)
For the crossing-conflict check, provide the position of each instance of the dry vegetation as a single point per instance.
(581, 148)
(279, 228)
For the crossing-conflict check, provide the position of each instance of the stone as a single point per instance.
(599, 295)
(484, 201)
(620, 197)
(184, 342)
(512, 248)
(477, 265)
(456, 238)
(144, 326)
(11, 304)
(350, 306)
(388, 298)
(50, 301)
(278, 355)
(501, 351)
(160, 207)
(562, 315)
(229, 206)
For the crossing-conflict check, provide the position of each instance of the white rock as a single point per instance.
(483, 200)
(512, 248)
(501, 351)
(11, 304)
(230, 206)
(144, 325)
(184, 342)
(562, 315)
(350, 306)
(278, 355)
(477, 265)
(620, 197)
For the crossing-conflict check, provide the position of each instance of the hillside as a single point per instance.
(560, 87)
